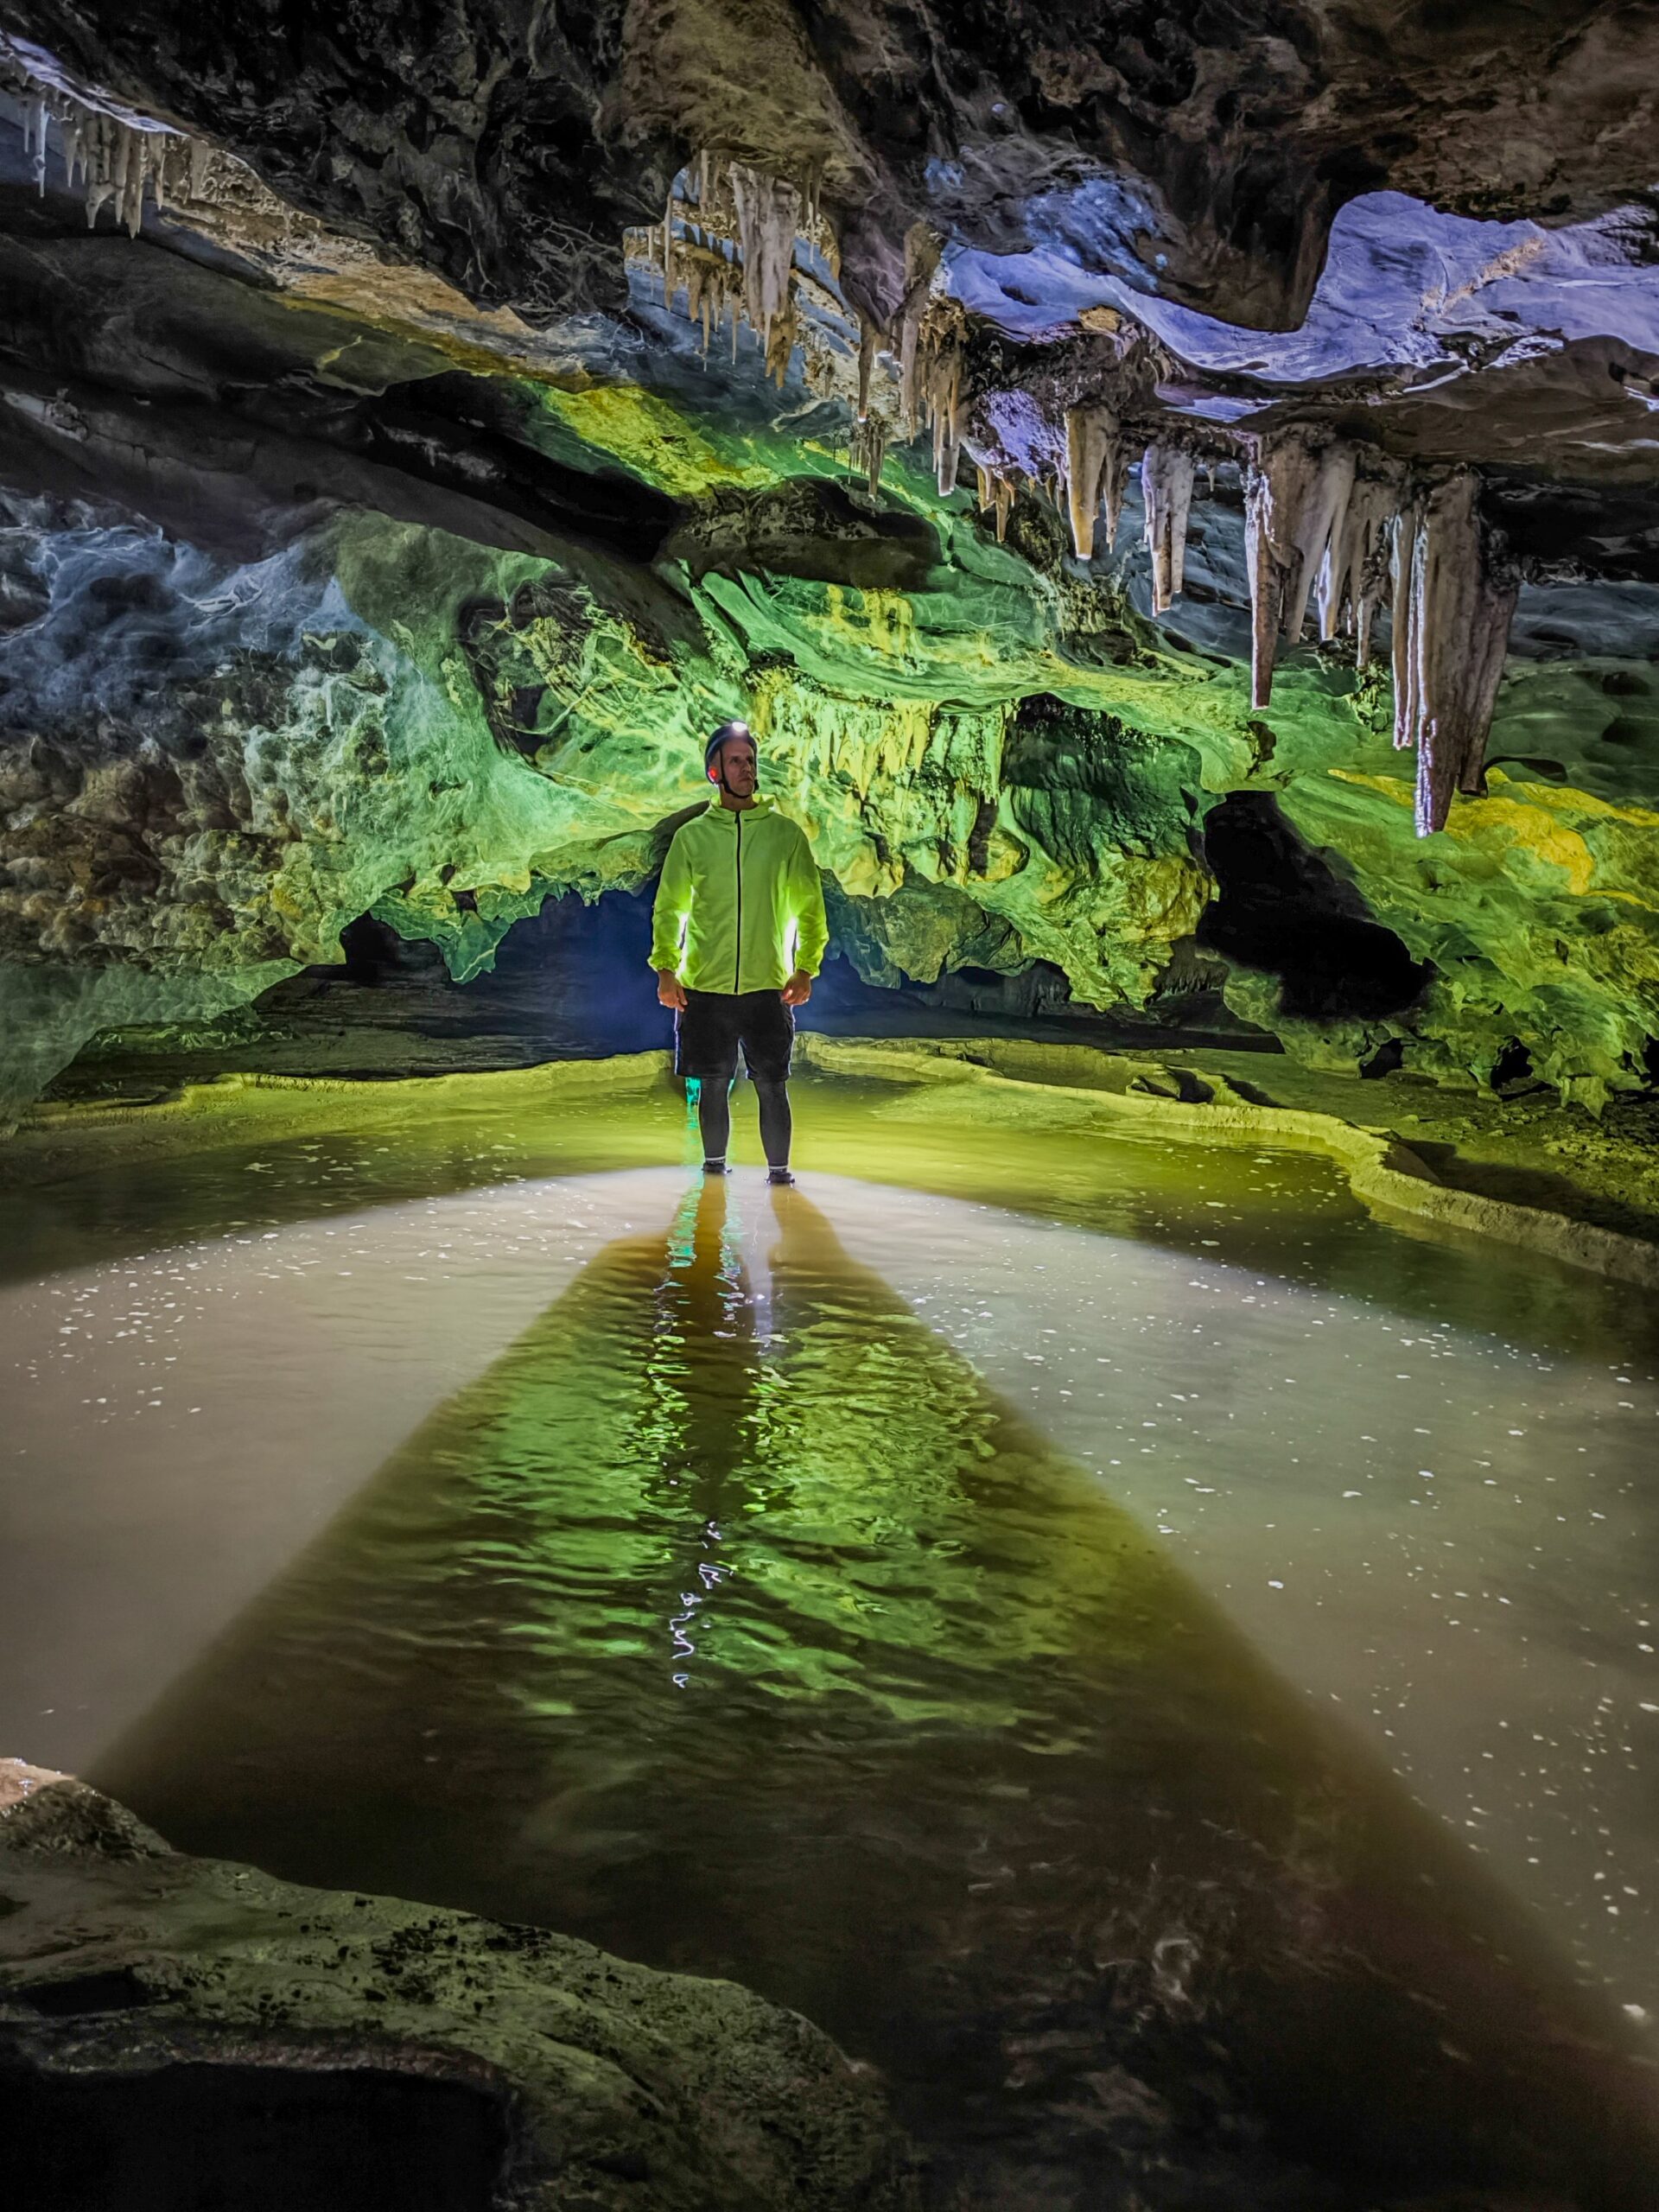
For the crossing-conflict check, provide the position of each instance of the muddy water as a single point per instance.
(1150, 1658)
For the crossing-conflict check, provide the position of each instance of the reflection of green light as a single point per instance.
(683, 1230)
(663, 1610)
(904, 1544)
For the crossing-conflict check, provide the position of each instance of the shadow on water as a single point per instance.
(729, 1621)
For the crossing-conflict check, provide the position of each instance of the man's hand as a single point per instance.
(670, 991)
(798, 988)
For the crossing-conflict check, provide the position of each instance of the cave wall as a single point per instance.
(358, 559)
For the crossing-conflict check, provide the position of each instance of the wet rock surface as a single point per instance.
(281, 2045)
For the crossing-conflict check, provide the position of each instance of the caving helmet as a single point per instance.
(711, 751)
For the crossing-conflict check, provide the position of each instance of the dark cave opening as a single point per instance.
(572, 978)
(186, 2136)
(572, 981)
(1280, 907)
(1513, 1066)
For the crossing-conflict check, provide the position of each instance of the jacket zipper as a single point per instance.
(737, 958)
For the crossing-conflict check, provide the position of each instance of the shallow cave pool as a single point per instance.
(1158, 1662)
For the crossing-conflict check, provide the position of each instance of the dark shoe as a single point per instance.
(714, 1167)
(779, 1175)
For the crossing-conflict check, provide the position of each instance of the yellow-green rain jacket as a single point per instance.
(739, 907)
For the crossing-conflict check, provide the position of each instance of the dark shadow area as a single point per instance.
(1613, 529)
(1279, 906)
(809, 526)
(465, 431)
(1513, 1066)
(1387, 1059)
(283, 2136)
(569, 982)
(231, 384)
(573, 982)
(1536, 1188)
(118, 1991)
(1036, 1003)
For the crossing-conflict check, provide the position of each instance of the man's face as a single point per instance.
(735, 762)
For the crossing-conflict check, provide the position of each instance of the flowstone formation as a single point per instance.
(1048, 433)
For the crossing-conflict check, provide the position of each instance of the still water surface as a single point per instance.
(1159, 1662)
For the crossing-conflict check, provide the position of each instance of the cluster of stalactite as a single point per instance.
(1099, 453)
(1329, 526)
(927, 355)
(729, 250)
(1348, 529)
(996, 493)
(116, 157)
(1338, 527)
(728, 245)
(932, 390)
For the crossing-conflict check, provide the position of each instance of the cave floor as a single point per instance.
(1522, 1145)
(1150, 1655)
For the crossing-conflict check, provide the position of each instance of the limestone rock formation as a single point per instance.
(376, 2051)
(410, 439)
(1167, 477)
(1452, 624)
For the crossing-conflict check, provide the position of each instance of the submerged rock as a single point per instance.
(265, 2041)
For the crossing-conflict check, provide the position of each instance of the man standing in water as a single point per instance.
(738, 934)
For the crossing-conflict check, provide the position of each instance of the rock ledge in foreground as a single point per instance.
(177, 2031)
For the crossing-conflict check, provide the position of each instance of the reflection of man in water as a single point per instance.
(738, 934)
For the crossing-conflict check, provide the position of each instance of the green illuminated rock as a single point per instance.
(400, 563)
(999, 762)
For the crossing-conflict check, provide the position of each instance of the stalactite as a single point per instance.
(944, 404)
(1402, 558)
(1166, 474)
(1354, 574)
(1094, 474)
(996, 496)
(869, 446)
(780, 336)
(931, 397)
(117, 157)
(1296, 496)
(768, 223)
(869, 340)
(923, 248)
(713, 287)
(1451, 631)
(732, 250)
(34, 115)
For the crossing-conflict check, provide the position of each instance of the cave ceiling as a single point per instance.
(417, 424)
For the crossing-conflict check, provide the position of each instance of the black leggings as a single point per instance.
(715, 1120)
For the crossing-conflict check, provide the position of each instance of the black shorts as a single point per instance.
(715, 1023)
